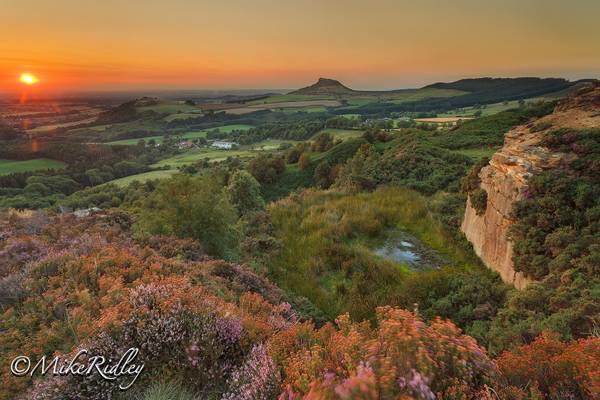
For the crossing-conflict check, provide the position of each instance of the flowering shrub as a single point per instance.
(92, 287)
(222, 331)
(183, 333)
(16, 252)
(403, 356)
(552, 369)
(361, 384)
(170, 247)
(256, 379)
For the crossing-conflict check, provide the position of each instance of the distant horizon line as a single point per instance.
(72, 92)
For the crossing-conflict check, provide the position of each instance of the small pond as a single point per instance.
(404, 248)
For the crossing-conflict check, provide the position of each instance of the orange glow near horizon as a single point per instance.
(28, 79)
(285, 44)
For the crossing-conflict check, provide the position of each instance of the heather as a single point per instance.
(92, 285)
(402, 357)
(553, 369)
(211, 329)
(192, 321)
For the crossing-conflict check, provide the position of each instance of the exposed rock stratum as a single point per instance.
(506, 178)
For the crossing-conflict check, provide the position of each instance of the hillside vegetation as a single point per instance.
(322, 258)
(232, 335)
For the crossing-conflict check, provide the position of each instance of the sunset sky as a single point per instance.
(195, 44)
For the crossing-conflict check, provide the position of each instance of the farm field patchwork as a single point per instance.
(317, 102)
(108, 132)
(298, 104)
(363, 97)
(50, 127)
(40, 117)
(442, 120)
(286, 105)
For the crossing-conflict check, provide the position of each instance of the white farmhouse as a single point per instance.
(223, 145)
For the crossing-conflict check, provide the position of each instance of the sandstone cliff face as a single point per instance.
(505, 180)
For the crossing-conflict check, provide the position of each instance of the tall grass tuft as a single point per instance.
(324, 256)
(164, 391)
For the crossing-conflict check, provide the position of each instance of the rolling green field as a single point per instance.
(193, 156)
(229, 128)
(187, 135)
(489, 109)
(420, 94)
(12, 166)
(270, 144)
(184, 115)
(342, 133)
(157, 139)
(303, 109)
(146, 176)
(361, 98)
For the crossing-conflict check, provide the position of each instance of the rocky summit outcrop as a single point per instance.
(505, 179)
(325, 86)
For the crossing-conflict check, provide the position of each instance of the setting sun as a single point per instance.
(28, 79)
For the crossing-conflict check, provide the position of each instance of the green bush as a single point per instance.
(489, 131)
(409, 162)
(244, 193)
(192, 207)
(478, 199)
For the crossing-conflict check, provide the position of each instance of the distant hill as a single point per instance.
(325, 86)
(484, 89)
(122, 113)
(477, 91)
(506, 88)
(475, 85)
